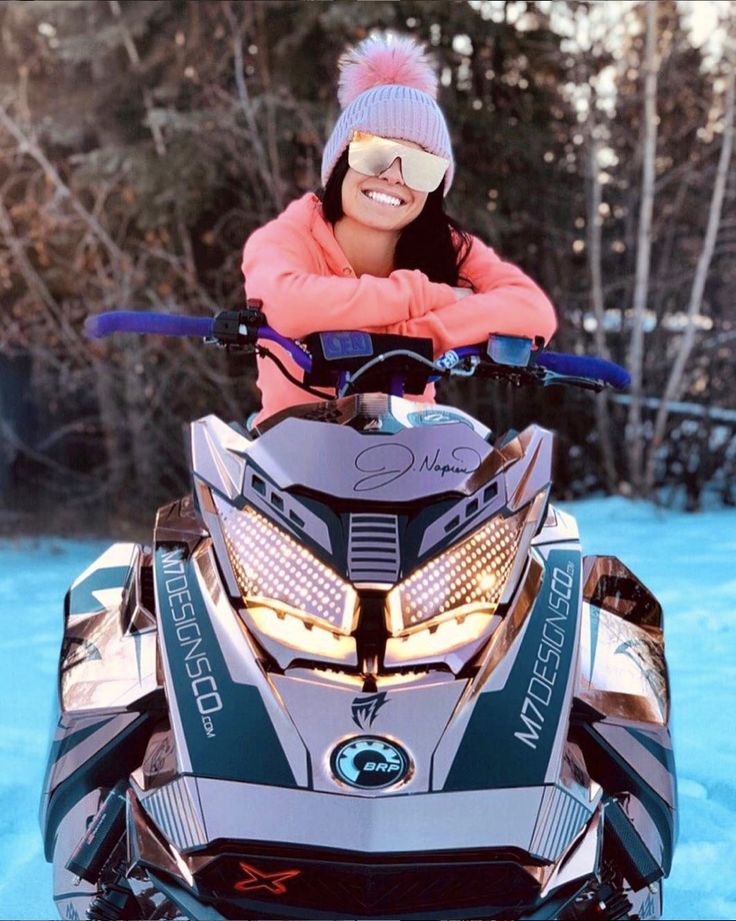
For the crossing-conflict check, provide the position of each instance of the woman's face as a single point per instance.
(381, 202)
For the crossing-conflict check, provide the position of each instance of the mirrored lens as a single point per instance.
(372, 155)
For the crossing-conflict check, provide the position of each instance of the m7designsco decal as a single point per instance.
(226, 725)
(511, 731)
(554, 640)
(186, 622)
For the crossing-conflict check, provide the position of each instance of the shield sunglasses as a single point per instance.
(372, 155)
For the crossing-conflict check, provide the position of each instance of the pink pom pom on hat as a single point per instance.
(388, 87)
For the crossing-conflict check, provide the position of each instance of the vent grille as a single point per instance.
(561, 817)
(373, 548)
(172, 810)
(374, 887)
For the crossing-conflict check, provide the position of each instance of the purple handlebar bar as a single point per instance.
(299, 355)
(159, 324)
(166, 324)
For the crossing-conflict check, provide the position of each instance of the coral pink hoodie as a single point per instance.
(296, 267)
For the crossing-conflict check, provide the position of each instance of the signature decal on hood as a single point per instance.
(385, 463)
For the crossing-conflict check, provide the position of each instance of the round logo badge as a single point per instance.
(370, 763)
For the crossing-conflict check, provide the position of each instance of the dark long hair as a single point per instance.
(434, 243)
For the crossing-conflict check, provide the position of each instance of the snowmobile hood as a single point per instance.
(375, 448)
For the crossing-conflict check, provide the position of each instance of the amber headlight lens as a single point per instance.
(273, 570)
(468, 578)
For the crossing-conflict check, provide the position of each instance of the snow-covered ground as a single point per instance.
(687, 560)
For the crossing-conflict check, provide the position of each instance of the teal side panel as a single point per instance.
(660, 804)
(664, 755)
(227, 728)
(510, 734)
(81, 599)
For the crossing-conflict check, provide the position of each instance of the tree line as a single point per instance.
(141, 142)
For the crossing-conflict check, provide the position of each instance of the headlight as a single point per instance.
(467, 579)
(273, 570)
(300, 609)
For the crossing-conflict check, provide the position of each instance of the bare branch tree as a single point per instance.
(134, 57)
(644, 244)
(264, 165)
(674, 385)
(593, 232)
(28, 145)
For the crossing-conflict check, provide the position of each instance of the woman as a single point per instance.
(376, 250)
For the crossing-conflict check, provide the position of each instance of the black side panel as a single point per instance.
(96, 767)
(610, 768)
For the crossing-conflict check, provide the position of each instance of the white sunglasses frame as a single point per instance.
(412, 159)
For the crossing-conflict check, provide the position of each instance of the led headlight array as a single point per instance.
(270, 567)
(466, 578)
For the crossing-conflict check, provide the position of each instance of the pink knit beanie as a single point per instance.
(388, 87)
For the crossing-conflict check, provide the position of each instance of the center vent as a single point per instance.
(373, 548)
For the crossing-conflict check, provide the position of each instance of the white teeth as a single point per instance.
(384, 199)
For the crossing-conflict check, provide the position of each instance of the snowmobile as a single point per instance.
(364, 669)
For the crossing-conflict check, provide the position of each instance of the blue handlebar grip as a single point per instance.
(584, 366)
(158, 324)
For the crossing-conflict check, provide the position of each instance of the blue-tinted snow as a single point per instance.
(687, 560)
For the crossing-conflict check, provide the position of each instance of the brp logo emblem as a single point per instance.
(370, 763)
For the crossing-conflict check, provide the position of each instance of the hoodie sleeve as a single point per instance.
(505, 301)
(282, 268)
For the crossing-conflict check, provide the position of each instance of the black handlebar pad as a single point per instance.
(348, 350)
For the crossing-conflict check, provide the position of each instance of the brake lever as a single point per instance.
(457, 371)
(549, 378)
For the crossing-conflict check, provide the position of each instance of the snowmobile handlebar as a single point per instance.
(227, 328)
(503, 357)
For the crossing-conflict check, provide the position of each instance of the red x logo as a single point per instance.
(257, 879)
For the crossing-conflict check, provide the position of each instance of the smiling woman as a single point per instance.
(375, 250)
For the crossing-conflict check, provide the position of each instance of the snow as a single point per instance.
(34, 576)
(686, 560)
